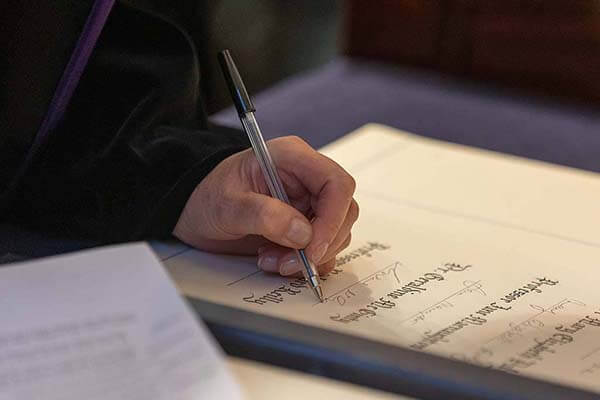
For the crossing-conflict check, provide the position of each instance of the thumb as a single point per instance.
(257, 214)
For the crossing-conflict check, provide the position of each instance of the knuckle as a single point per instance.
(292, 142)
(349, 182)
(353, 211)
(340, 175)
(346, 243)
(296, 140)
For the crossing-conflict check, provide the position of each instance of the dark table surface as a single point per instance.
(324, 104)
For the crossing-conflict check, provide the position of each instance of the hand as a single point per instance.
(231, 210)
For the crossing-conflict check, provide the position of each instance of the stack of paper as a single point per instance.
(103, 324)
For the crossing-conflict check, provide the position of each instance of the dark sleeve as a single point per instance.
(204, 150)
(134, 142)
(134, 190)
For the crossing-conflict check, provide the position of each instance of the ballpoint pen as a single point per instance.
(246, 110)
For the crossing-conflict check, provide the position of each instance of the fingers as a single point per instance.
(257, 214)
(277, 259)
(327, 267)
(343, 233)
(331, 186)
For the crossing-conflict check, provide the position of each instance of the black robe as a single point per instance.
(134, 140)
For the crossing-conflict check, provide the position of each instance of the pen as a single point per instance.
(246, 110)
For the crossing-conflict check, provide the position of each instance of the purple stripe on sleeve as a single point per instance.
(70, 77)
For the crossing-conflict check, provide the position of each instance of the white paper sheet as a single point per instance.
(103, 324)
(470, 254)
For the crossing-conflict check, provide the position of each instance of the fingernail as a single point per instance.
(319, 252)
(290, 266)
(267, 263)
(261, 250)
(299, 232)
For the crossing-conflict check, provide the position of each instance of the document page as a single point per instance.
(103, 324)
(469, 254)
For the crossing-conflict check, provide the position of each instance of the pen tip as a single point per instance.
(319, 293)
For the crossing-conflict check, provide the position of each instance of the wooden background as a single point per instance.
(550, 46)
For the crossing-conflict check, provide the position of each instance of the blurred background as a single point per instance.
(269, 39)
(544, 47)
